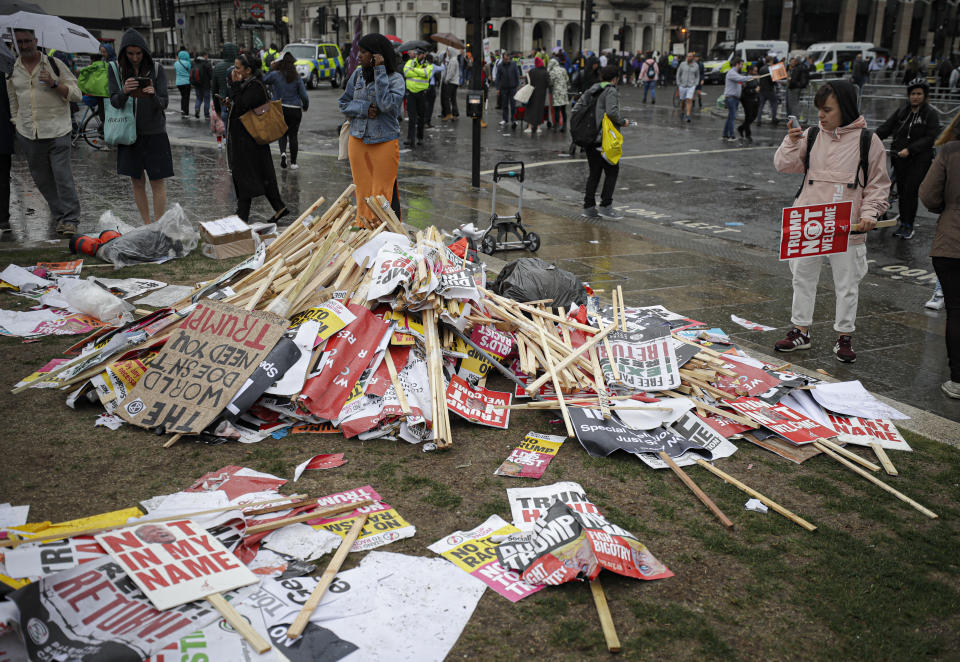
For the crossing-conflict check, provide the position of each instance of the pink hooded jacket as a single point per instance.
(833, 165)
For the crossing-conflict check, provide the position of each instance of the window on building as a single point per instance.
(678, 15)
(723, 18)
(702, 16)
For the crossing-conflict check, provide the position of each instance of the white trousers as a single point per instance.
(848, 270)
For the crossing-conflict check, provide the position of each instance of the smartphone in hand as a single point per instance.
(144, 81)
(793, 122)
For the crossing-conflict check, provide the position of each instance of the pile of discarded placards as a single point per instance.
(381, 333)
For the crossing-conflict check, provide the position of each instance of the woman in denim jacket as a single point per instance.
(373, 102)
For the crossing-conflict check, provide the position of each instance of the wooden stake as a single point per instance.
(264, 285)
(322, 513)
(623, 309)
(879, 483)
(613, 364)
(238, 622)
(174, 439)
(616, 309)
(688, 481)
(300, 623)
(849, 455)
(606, 619)
(395, 380)
(572, 357)
(600, 384)
(556, 384)
(770, 503)
(884, 459)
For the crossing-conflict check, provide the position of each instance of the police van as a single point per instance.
(834, 56)
(317, 62)
(750, 51)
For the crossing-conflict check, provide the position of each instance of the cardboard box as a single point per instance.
(225, 231)
(240, 248)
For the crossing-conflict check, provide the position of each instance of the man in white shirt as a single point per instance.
(40, 93)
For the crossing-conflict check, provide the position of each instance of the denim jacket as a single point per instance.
(386, 93)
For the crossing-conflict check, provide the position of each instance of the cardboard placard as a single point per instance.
(789, 424)
(480, 405)
(864, 431)
(531, 457)
(778, 71)
(601, 437)
(201, 367)
(644, 364)
(814, 230)
(175, 562)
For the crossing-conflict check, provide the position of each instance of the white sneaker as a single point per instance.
(935, 302)
(502, 122)
(294, 166)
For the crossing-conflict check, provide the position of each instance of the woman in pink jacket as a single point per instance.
(834, 176)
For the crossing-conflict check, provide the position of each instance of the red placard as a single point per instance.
(480, 405)
(814, 230)
(789, 424)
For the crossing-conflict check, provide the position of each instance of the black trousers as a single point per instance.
(184, 99)
(292, 117)
(431, 102)
(751, 108)
(558, 113)
(416, 115)
(448, 100)
(273, 197)
(948, 271)
(909, 173)
(5, 161)
(598, 165)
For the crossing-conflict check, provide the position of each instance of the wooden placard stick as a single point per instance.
(884, 459)
(441, 415)
(705, 350)
(600, 384)
(239, 623)
(564, 331)
(837, 448)
(526, 307)
(770, 503)
(873, 479)
(556, 385)
(264, 285)
(395, 380)
(613, 364)
(300, 622)
(393, 223)
(174, 439)
(322, 513)
(606, 620)
(573, 356)
(688, 481)
(615, 306)
(715, 392)
(623, 309)
(296, 226)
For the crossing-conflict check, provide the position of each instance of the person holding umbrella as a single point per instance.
(40, 94)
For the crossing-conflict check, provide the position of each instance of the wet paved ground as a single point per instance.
(684, 194)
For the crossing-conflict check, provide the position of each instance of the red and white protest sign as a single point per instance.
(815, 230)
(175, 562)
(789, 424)
(481, 406)
(864, 431)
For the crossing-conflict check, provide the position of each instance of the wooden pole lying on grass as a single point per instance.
(322, 513)
(840, 450)
(688, 481)
(300, 622)
(174, 439)
(884, 459)
(556, 383)
(238, 622)
(873, 479)
(606, 619)
(770, 503)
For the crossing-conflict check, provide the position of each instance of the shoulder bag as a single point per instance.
(119, 124)
(265, 123)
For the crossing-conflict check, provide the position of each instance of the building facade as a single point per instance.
(107, 19)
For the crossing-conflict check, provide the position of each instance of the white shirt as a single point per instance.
(36, 108)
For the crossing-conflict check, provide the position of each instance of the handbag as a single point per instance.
(611, 142)
(343, 154)
(265, 123)
(523, 94)
(92, 80)
(119, 124)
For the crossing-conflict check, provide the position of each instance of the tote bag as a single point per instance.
(523, 94)
(119, 124)
(265, 123)
(611, 142)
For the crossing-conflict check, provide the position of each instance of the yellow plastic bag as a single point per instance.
(611, 142)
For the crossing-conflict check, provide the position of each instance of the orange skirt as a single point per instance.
(374, 169)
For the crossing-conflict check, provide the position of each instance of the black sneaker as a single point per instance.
(907, 232)
(283, 159)
(844, 349)
(899, 231)
(796, 339)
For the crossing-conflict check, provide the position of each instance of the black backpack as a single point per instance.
(583, 119)
(651, 72)
(866, 137)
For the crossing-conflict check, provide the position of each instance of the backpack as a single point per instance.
(651, 72)
(195, 74)
(866, 137)
(583, 119)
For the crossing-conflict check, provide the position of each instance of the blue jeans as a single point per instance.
(651, 86)
(202, 96)
(732, 103)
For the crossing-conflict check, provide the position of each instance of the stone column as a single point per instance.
(754, 26)
(904, 21)
(786, 21)
(875, 27)
(848, 18)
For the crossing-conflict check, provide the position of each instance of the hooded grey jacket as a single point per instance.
(149, 110)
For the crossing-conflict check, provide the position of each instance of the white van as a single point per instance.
(750, 51)
(832, 56)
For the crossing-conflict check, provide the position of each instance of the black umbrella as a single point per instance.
(414, 44)
(880, 50)
(13, 6)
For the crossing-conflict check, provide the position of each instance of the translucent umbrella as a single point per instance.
(52, 32)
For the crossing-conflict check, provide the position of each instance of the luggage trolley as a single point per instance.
(503, 225)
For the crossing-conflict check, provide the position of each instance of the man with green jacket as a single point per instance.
(416, 72)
